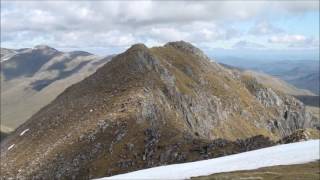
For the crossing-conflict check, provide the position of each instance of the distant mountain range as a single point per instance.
(310, 99)
(303, 74)
(32, 77)
(146, 107)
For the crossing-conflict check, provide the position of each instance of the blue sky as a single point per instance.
(275, 29)
(307, 24)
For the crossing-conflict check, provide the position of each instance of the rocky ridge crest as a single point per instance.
(149, 107)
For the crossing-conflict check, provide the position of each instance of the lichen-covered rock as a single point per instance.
(297, 136)
(268, 97)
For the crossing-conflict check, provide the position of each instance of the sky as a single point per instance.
(252, 28)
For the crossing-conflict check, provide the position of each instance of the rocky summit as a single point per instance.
(149, 107)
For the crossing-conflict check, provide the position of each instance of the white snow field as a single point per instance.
(294, 153)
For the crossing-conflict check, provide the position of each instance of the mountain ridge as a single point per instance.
(147, 107)
(37, 75)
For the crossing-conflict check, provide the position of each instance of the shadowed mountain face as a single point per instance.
(37, 75)
(302, 75)
(309, 81)
(310, 100)
(27, 63)
(42, 83)
(148, 107)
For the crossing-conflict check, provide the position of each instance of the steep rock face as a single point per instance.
(289, 113)
(278, 87)
(146, 107)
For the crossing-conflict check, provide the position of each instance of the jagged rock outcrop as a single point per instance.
(300, 135)
(290, 114)
(148, 107)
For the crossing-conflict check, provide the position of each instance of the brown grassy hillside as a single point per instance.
(145, 108)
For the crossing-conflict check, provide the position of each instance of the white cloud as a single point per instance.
(165, 34)
(288, 39)
(296, 6)
(264, 28)
(247, 45)
(295, 41)
(120, 24)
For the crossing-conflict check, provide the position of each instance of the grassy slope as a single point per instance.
(277, 84)
(308, 171)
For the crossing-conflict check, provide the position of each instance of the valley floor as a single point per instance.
(287, 154)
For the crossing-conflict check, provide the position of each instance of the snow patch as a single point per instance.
(4, 59)
(10, 147)
(23, 132)
(287, 154)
